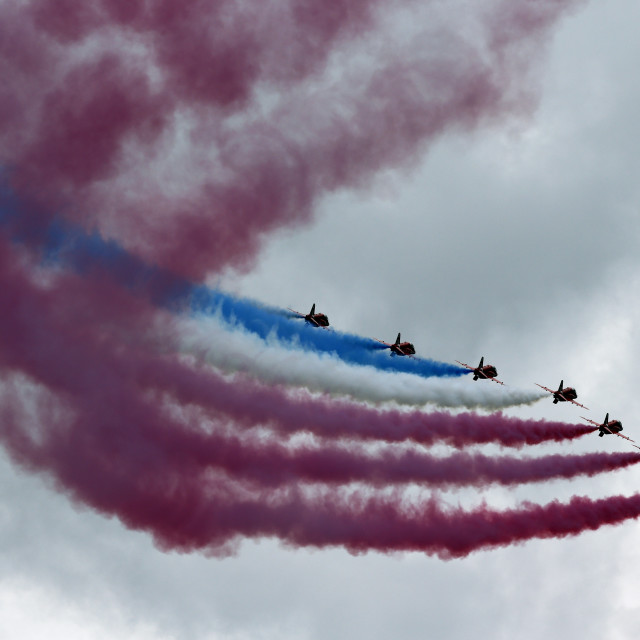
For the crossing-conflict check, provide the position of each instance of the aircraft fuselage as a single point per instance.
(606, 429)
(403, 349)
(567, 394)
(488, 371)
(317, 320)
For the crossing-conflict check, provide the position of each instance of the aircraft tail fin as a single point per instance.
(606, 419)
(398, 339)
(313, 309)
(561, 385)
(481, 362)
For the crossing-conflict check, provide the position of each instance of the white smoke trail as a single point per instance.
(233, 350)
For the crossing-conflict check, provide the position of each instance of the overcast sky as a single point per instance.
(517, 241)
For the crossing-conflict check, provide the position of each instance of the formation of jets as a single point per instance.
(484, 372)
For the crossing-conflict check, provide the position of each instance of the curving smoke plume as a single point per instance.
(187, 135)
(180, 138)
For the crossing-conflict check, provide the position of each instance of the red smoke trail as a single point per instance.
(274, 464)
(100, 459)
(196, 510)
(94, 127)
(360, 523)
(267, 463)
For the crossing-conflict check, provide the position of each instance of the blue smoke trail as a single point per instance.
(292, 331)
(64, 243)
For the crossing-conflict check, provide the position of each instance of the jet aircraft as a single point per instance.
(614, 427)
(399, 348)
(567, 394)
(487, 371)
(313, 318)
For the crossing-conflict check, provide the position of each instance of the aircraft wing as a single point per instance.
(577, 403)
(465, 365)
(486, 377)
(297, 312)
(383, 342)
(621, 436)
(545, 388)
(597, 424)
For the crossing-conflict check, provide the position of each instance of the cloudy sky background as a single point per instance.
(518, 242)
